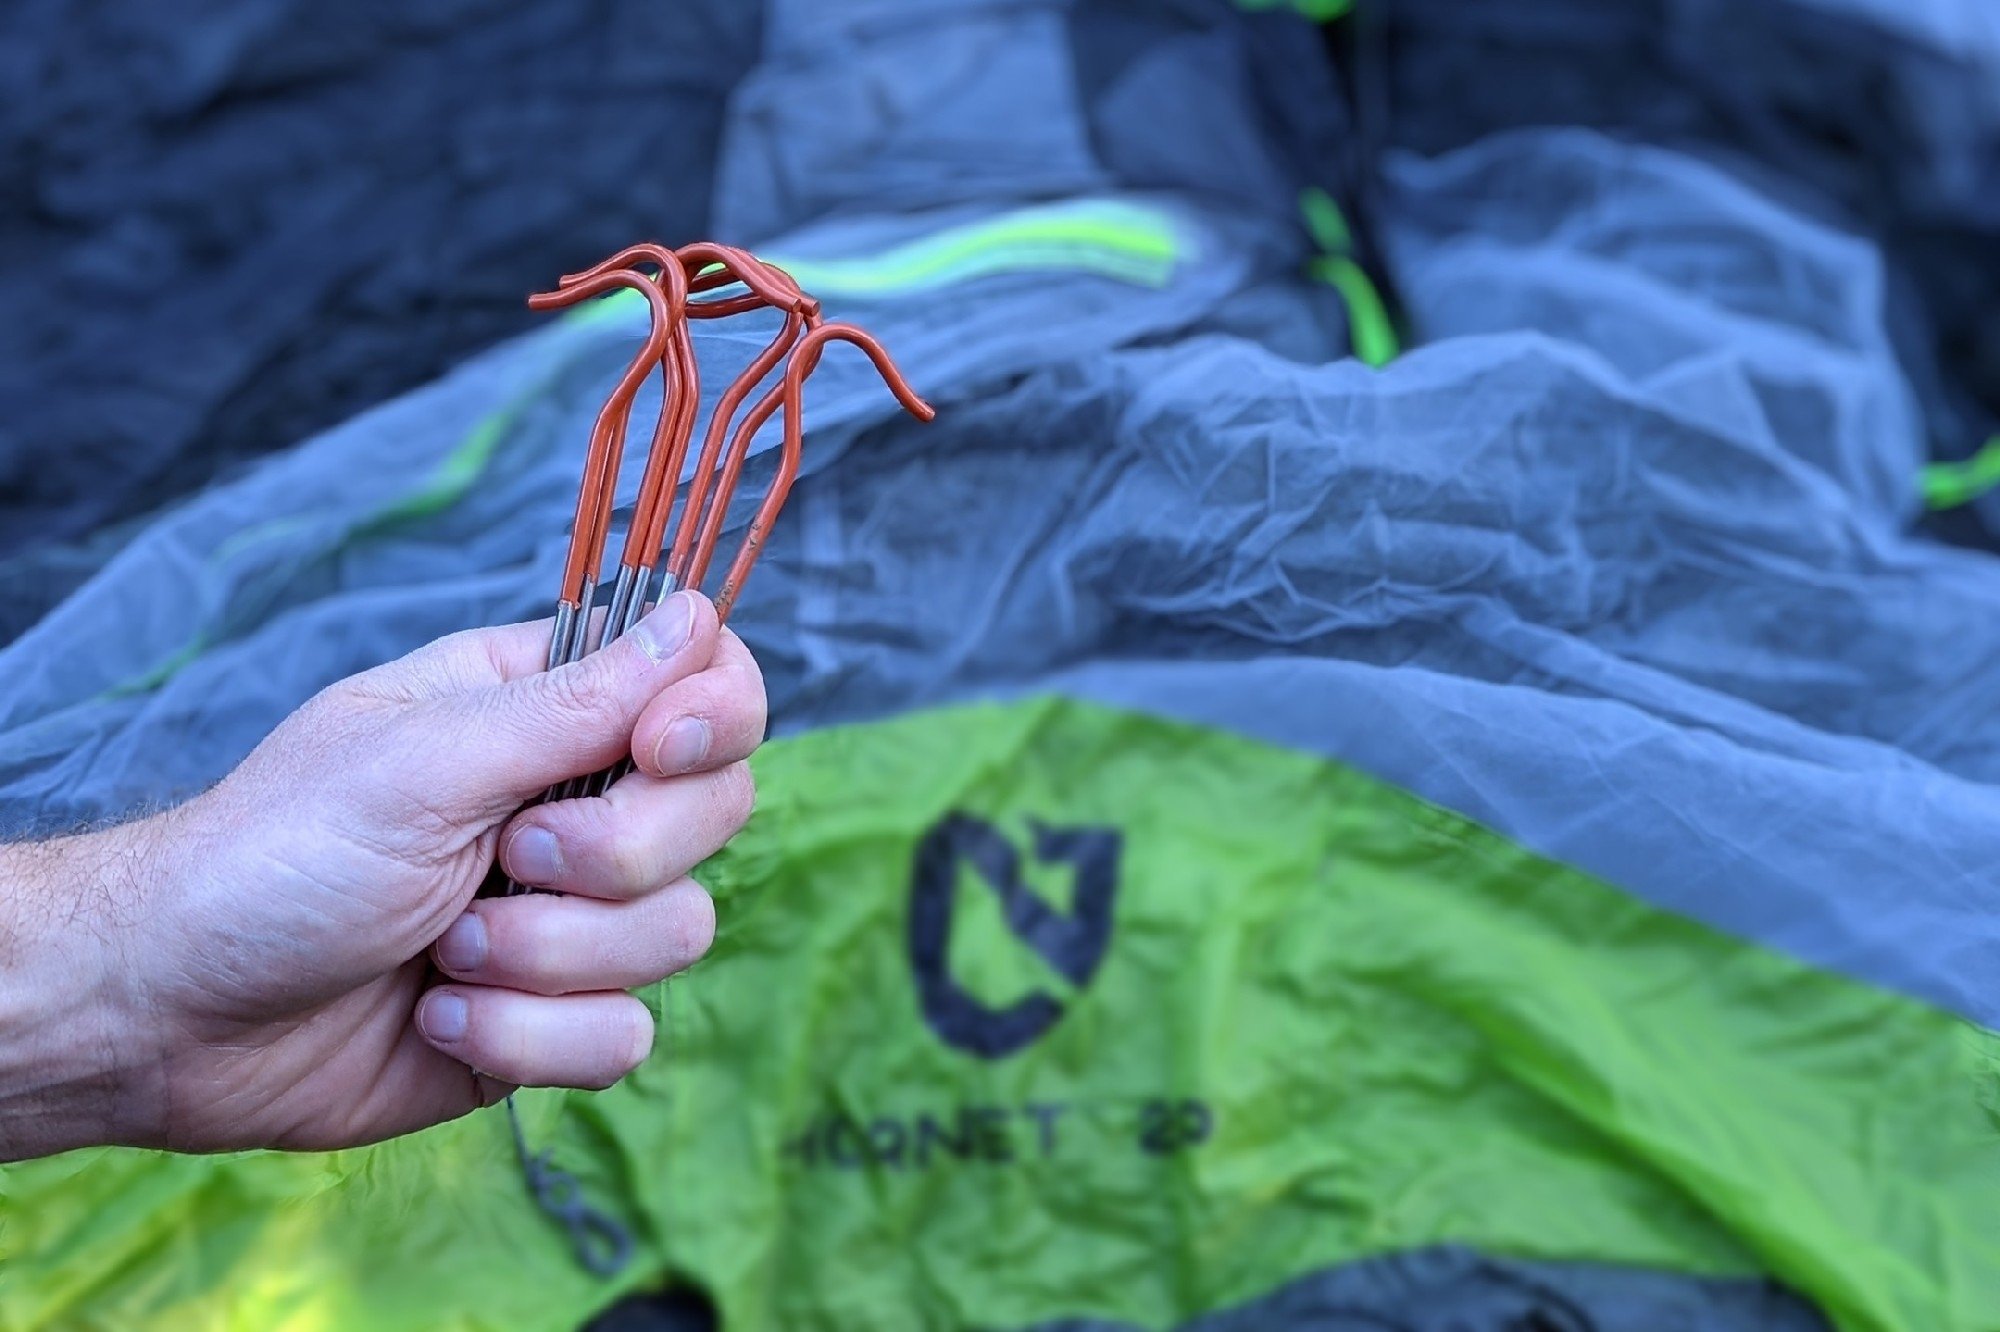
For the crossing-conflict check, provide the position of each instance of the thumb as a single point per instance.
(511, 742)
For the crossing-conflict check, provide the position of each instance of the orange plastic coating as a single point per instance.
(607, 437)
(688, 546)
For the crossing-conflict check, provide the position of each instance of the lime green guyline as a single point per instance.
(1122, 241)
(1370, 329)
(1947, 485)
(1319, 11)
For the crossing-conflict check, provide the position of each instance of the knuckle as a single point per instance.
(694, 924)
(759, 715)
(736, 794)
(640, 1037)
(488, 648)
(746, 685)
(457, 663)
(503, 1049)
(340, 697)
(598, 838)
(522, 945)
(740, 693)
(621, 1041)
(629, 854)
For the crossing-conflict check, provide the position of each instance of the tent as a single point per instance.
(1397, 757)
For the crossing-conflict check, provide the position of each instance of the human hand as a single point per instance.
(265, 952)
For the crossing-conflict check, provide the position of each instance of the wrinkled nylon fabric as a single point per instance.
(1320, 1022)
(1883, 116)
(219, 237)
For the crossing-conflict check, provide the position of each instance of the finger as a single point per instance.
(643, 833)
(532, 1040)
(712, 718)
(565, 945)
(519, 737)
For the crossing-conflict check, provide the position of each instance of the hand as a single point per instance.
(266, 955)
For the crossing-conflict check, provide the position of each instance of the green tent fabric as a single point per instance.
(1046, 1011)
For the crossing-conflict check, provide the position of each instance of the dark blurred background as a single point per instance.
(227, 225)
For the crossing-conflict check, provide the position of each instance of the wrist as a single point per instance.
(78, 1066)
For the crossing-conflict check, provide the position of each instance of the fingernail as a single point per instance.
(684, 745)
(667, 629)
(463, 946)
(443, 1018)
(534, 857)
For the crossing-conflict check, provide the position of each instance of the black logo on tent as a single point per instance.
(1073, 943)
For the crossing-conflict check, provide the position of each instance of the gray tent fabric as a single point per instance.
(1882, 117)
(218, 237)
(1733, 306)
(887, 105)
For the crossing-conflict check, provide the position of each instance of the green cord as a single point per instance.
(1325, 221)
(1370, 329)
(1319, 11)
(1947, 485)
